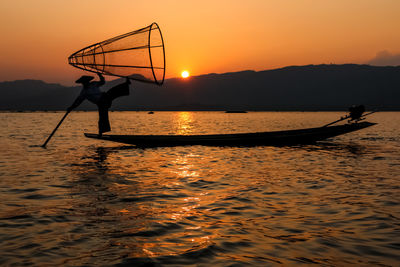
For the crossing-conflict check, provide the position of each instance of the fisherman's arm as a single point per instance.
(102, 80)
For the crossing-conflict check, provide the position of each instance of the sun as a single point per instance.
(185, 74)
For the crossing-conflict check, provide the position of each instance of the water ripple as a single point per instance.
(83, 202)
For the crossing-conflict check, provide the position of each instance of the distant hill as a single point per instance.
(313, 87)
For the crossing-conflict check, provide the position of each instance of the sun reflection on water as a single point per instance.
(184, 169)
(183, 122)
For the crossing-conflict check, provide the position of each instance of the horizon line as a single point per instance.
(219, 73)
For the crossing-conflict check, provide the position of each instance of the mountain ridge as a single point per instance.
(310, 87)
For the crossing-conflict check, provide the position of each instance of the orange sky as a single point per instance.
(200, 36)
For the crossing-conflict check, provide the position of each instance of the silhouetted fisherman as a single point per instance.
(356, 112)
(91, 91)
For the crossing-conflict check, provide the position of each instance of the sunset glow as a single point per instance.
(185, 74)
(255, 35)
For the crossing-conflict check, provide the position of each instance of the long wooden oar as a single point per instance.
(55, 129)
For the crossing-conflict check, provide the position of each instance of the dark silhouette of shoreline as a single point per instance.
(305, 88)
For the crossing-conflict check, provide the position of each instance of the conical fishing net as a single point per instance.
(138, 55)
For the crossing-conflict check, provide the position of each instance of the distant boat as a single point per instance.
(235, 111)
(276, 138)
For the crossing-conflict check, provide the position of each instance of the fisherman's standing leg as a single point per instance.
(104, 123)
(105, 103)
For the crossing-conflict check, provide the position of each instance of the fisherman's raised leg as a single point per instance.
(118, 90)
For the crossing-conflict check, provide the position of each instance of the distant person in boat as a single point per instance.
(356, 112)
(91, 91)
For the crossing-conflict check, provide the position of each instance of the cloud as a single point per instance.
(385, 58)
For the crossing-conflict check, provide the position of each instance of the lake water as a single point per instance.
(84, 202)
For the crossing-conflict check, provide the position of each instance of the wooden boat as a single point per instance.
(276, 138)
